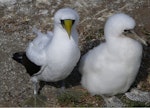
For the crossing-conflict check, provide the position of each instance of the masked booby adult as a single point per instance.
(56, 53)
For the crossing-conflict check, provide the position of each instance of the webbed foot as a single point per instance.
(138, 95)
(113, 102)
(35, 101)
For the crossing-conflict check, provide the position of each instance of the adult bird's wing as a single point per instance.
(36, 49)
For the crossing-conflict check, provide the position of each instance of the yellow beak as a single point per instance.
(67, 24)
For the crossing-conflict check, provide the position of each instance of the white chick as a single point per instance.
(111, 67)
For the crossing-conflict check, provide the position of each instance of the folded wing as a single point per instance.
(36, 49)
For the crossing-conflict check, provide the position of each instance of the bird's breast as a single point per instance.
(63, 53)
(60, 62)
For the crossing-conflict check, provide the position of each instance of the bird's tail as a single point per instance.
(21, 57)
(36, 31)
(18, 56)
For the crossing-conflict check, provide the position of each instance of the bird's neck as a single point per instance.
(110, 38)
(61, 34)
(111, 33)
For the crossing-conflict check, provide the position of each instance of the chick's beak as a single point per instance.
(67, 24)
(136, 37)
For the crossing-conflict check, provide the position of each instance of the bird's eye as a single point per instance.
(62, 22)
(73, 22)
(127, 31)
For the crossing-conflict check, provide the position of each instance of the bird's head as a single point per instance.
(119, 24)
(116, 24)
(67, 18)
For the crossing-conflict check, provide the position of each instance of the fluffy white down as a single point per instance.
(111, 67)
(56, 52)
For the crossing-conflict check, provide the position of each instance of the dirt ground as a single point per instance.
(17, 18)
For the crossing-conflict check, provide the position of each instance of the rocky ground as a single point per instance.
(17, 18)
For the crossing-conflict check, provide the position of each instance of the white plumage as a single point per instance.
(57, 52)
(111, 67)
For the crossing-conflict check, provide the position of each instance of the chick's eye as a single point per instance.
(127, 31)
